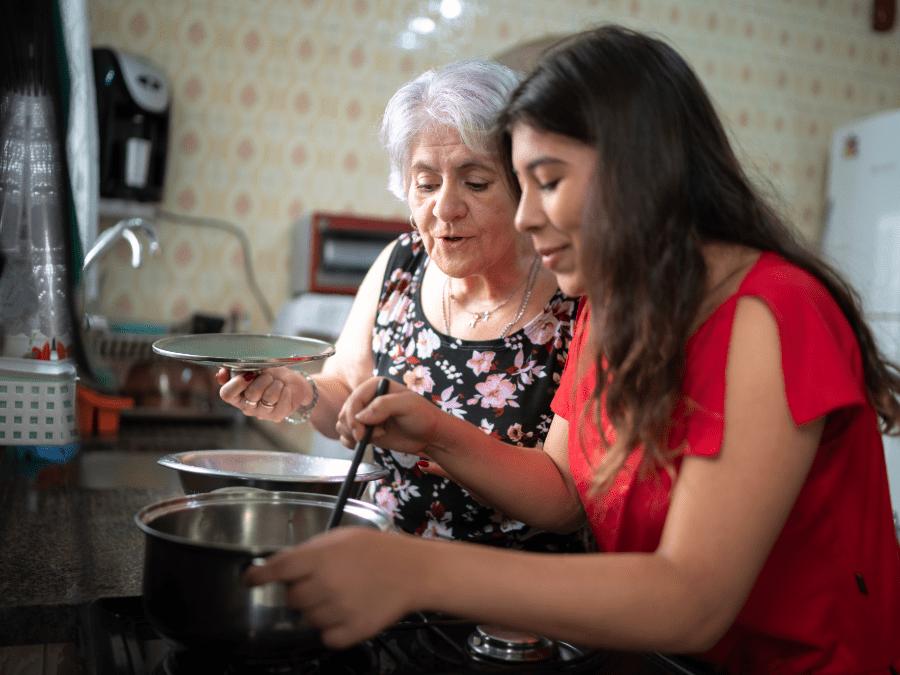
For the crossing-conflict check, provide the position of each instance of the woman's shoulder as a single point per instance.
(820, 356)
(784, 283)
(802, 305)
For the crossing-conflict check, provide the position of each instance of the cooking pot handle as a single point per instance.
(272, 595)
(255, 561)
(258, 561)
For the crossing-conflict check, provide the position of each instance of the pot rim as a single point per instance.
(145, 517)
(367, 472)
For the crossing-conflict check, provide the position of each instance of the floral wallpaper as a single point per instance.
(276, 107)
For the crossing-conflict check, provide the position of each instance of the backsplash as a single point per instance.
(276, 106)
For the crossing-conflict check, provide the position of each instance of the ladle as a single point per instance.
(354, 464)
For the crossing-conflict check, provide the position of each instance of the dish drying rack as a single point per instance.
(114, 351)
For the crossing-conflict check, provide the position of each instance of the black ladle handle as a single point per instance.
(354, 464)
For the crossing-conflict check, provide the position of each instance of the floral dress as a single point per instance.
(504, 386)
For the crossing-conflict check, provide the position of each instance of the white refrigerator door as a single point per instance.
(862, 235)
(887, 334)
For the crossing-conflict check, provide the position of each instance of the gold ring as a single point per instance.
(266, 404)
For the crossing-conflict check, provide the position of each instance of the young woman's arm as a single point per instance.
(725, 515)
(532, 485)
(341, 373)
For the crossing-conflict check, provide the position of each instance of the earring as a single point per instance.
(412, 223)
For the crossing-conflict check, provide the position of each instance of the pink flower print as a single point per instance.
(379, 340)
(542, 329)
(399, 281)
(385, 498)
(497, 392)
(410, 350)
(514, 433)
(426, 343)
(393, 309)
(436, 530)
(527, 372)
(438, 526)
(450, 403)
(419, 380)
(481, 362)
(486, 427)
(564, 309)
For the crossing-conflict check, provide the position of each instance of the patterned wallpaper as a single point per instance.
(277, 104)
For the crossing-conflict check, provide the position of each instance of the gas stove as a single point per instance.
(115, 638)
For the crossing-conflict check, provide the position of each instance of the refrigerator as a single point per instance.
(862, 235)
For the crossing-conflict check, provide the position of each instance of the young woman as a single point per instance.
(717, 421)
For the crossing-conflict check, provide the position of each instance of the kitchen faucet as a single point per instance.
(125, 229)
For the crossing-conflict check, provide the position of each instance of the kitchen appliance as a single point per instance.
(862, 235)
(133, 106)
(115, 637)
(333, 251)
(205, 470)
(331, 254)
(197, 548)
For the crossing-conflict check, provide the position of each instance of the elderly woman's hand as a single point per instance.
(326, 583)
(402, 419)
(271, 394)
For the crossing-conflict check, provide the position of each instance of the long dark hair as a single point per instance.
(667, 182)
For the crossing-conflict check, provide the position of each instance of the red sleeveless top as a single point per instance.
(828, 598)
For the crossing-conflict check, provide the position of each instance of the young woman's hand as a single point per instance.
(402, 419)
(271, 394)
(346, 599)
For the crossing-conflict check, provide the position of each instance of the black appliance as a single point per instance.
(133, 104)
(115, 638)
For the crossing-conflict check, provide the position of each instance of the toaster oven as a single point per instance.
(333, 252)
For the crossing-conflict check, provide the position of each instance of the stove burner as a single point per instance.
(510, 646)
(115, 638)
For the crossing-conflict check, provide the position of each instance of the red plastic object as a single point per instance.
(98, 414)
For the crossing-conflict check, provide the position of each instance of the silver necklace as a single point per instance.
(529, 288)
(484, 315)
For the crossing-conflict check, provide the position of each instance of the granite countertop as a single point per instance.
(67, 534)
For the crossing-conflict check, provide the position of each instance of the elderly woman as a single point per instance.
(459, 310)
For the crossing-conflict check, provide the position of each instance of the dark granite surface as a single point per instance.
(67, 534)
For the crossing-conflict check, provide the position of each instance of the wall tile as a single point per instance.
(277, 105)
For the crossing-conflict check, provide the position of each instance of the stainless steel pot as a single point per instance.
(197, 548)
(205, 470)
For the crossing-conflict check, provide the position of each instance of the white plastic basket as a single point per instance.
(37, 402)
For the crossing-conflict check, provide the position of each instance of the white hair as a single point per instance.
(465, 96)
